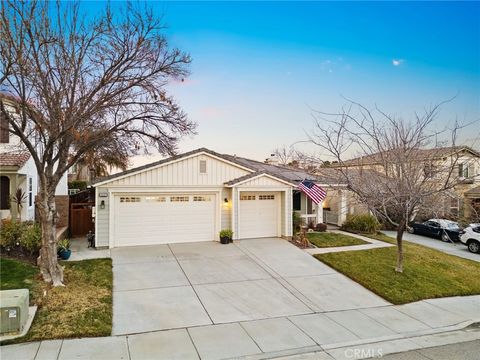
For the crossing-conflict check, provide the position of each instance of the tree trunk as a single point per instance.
(400, 230)
(51, 271)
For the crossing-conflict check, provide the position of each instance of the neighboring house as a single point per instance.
(192, 196)
(18, 171)
(463, 200)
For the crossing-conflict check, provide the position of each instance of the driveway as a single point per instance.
(187, 285)
(457, 249)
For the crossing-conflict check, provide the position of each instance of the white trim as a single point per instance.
(147, 168)
(261, 175)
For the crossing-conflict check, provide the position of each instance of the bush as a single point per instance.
(77, 184)
(23, 236)
(321, 227)
(31, 238)
(366, 223)
(10, 233)
(226, 233)
(297, 222)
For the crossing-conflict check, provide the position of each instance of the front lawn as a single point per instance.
(326, 239)
(428, 273)
(83, 308)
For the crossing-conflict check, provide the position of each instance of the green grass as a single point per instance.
(83, 308)
(17, 275)
(325, 239)
(428, 273)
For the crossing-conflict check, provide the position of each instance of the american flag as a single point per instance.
(313, 191)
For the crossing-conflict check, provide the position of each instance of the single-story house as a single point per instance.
(192, 196)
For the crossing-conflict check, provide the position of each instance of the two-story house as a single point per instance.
(18, 171)
(461, 163)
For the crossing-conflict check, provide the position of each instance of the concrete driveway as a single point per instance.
(187, 285)
(457, 249)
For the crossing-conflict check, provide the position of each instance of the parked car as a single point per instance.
(438, 228)
(471, 237)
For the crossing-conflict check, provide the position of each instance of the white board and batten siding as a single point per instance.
(262, 207)
(180, 177)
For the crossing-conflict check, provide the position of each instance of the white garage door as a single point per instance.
(163, 218)
(259, 214)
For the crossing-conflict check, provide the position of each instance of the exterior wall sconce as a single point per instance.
(225, 200)
(102, 204)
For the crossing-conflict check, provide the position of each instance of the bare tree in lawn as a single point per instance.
(76, 81)
(399, 166)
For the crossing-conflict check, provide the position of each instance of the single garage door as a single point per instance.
(163, 218)
(259, 214)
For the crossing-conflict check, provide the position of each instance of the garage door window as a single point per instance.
(179, 199)
(247, 197)
(155, 199)
(266, 197)
(129, 199)
(202, 198)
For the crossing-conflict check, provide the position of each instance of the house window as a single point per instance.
(266, 197)
(129, 199)
(30, 191)
(179, 199)
(463, 170)
(247, 197)
(155, 199)
(4, 134)
(4, 193)
(203, 166)
(202, 198)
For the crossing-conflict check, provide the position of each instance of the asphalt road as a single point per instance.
(458, 249)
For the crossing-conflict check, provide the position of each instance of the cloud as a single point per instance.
(397, 62)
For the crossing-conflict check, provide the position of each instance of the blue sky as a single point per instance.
(259, 68)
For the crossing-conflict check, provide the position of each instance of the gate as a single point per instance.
(81, 221)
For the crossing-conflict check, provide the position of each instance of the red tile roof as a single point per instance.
(14, 158)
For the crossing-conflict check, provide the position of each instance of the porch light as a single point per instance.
(225, 200)
(102, 204)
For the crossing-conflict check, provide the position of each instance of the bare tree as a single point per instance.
(74, 81)
(400, 164)
(286, 155)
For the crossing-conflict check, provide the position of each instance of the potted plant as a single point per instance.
(63, 249)
(226, 236)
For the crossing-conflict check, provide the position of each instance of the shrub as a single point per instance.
(77, 184)
(10, 233)
(25, 236)
(31, 238)
(321, 227)
(365, 223)
(297, 222)
(226, 233)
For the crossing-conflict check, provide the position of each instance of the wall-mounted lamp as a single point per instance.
(102, 204)
(225, 200)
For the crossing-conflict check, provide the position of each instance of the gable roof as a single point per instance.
(254, 175)
(287, 174)
(14, 158)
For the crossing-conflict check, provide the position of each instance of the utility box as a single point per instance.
(13, 310)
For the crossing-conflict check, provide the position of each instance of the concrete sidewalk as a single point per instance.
(372, 244)
(329, 335)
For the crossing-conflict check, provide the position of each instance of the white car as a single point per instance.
(470, 236)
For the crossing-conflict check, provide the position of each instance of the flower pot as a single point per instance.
(225, 239)
(64, 254)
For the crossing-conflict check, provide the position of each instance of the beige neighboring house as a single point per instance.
(463, 201)
(18, 171)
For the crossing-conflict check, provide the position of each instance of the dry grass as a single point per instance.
(83, 308)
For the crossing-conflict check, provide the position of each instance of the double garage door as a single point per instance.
(164, 218)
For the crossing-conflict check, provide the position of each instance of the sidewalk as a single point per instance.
(372, 244)
(328, 335)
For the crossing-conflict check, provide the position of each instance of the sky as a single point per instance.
(260, 69)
